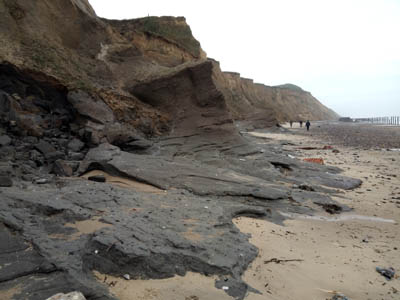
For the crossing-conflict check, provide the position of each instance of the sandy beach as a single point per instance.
(313, 257)
(334, 253)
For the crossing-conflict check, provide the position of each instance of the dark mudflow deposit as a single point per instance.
(200, 180)
(140, 103)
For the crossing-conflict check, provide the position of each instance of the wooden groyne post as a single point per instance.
(393, 120)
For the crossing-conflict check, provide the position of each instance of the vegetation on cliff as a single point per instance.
(172, 29)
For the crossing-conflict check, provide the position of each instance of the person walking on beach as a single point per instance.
(308, 124)
(301, 123)
(291, 124)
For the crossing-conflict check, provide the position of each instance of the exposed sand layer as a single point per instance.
(124, 182)
(87, 227)
(193, 286)
(82, 228)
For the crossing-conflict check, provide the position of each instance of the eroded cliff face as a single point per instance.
(286, 102)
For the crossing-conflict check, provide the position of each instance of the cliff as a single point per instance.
(286, 102)
(64, 42)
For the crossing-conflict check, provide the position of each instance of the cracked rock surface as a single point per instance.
(59, 232)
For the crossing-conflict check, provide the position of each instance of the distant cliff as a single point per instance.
(287, 102)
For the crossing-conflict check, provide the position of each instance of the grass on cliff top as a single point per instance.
(290, 86)
(174, 29)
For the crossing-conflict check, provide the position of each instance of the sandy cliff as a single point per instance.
(287, 102)
(64, 42)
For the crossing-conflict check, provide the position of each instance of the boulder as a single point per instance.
(37, 157)
(45, 148)
(70, 296)
(48, 151)
(31, 124)
(93, 109)
(76, 145)
(5, 140)
(76, 156)
(61, 168)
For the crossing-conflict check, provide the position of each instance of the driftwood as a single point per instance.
(278, 261)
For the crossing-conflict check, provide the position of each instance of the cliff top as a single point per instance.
(290, 86)
(174, 29)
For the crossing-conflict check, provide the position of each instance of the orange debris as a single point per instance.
(315, 160)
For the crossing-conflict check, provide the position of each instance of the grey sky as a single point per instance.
(345, 52)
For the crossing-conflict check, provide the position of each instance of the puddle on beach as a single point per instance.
(339, 218)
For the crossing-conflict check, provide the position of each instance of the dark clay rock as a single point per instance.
(37, 157)
(6, 168)
(76, 156)
(30, 124)
(76, 145)
(4, 102)
(5, 140)
(87, 106)
(48, 151)
(5, 181)
(45, 148)
(136, 145)
(61, 168)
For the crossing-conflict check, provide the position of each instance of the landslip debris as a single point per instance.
(330, 208)
(339, 297)
(336, 295)
(315, 160)
(387, 273)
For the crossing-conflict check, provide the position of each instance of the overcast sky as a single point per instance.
(345, 52)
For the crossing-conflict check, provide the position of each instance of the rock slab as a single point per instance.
(70, 296)
(5, 181)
